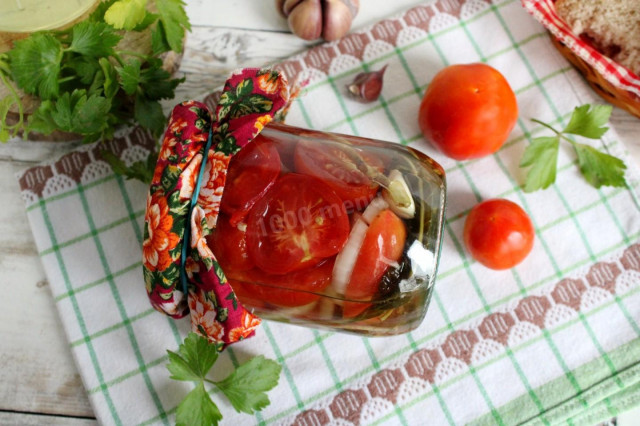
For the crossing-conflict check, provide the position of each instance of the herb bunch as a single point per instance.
(84, 83)
(245, 387)
(598, 168)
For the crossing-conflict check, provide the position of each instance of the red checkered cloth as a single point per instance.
(545, 12)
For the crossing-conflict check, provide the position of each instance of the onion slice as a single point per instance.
(346, 259)
(373, 209)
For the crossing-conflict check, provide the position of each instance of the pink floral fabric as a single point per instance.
(249, 101)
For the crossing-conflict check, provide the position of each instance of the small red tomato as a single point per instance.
(498, 233)
(468, 111)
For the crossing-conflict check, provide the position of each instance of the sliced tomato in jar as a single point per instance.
(285, 143)
(251, 173)
(337, 166)
(299, 222)
(248, 294)
(229, 245)
(381, 249)
(298, 288)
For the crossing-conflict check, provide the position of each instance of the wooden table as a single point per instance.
(39, 383)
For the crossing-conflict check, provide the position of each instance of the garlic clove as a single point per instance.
(367, 86)
(398, 195)
(305, 18)
(285, 6)
(338, 16)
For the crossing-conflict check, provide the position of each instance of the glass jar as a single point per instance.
(331, 231)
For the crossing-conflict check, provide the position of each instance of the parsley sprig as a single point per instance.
(84, 82)
(245, 387)
(598, 168)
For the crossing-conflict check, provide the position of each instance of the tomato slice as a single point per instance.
(248, 294)
(382, 246)
(285, 143)
(229, 245)
(335, 166)
(251, 173)
(298, 222)
(255, 287)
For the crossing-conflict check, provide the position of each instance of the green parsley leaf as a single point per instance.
(53, 65)
(98, 13)
(159, 42)
(600, 168)
(149, 114)
(85, 68)
(246, 386)
(542, 156)
(4, 65)
(126, 14)
(149, 18)
(118, 166)
(197, 409)
(174, 20)
(597, 167)
(194, 359)
(588, 121)
(111, 85)
(78, 113)
(5, 104)
(41, 120)
(93, 39)
(130, 76)
(35, 64)
(157, 83)
(97, 85)
(140, 170)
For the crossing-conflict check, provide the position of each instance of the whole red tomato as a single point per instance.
(468, 111)
(498, 233)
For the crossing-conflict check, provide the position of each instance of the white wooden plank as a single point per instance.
(211, 54)
(22, 419)
(33, 152)
(37, 371)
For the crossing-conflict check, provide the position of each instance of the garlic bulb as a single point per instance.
(312, 19)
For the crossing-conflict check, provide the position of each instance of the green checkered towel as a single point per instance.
(556, 338)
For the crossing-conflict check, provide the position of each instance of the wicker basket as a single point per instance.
(612, 94)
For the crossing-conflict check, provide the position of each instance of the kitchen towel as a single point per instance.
(554, 339)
